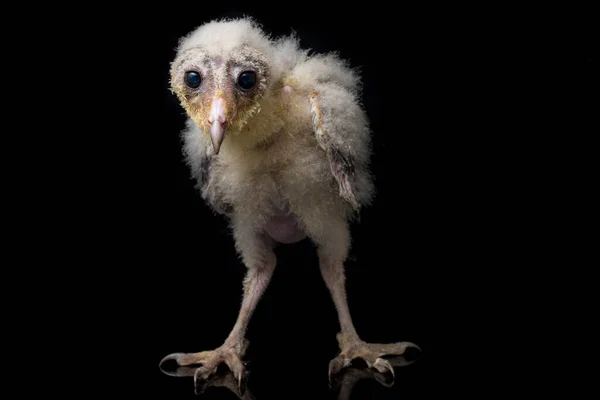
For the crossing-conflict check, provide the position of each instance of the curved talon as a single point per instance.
(173, 356)
(409, 345)
(403, 347)
(196, 378)
(382, 366)
(237, 370)
(242, 381)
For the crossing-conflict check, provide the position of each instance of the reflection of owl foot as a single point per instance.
(352, 348)
(347, 378)
(222, 378)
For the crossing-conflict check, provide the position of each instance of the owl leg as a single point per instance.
(333, 248)
(256, 251)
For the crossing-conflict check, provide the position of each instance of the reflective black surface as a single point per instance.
(353, 382)
(429, 258)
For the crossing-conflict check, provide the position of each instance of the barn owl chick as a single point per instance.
(279, 143)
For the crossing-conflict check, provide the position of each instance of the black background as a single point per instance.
(444, 88)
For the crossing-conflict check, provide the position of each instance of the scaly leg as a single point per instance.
(256, 251)
(333, 250)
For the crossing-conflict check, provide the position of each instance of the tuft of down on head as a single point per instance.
(221, 37)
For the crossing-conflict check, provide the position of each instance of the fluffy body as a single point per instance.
(275, 164)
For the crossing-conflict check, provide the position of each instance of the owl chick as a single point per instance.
(279, 143)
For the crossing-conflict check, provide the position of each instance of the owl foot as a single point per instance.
(230, 354)
(351, 348)
(346, 380)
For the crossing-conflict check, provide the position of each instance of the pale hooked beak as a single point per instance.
(217, 119)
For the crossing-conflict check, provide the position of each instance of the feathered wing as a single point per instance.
(341, 127)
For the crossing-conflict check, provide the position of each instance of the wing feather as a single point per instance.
(343, 147)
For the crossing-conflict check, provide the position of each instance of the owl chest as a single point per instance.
(258, 186)
(266, 194)
(266, 181)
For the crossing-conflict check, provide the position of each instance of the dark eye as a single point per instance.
(193, 79)
(247, 80)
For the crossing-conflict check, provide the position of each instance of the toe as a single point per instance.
(184, 359)
(242, 381)
(239, 374)
(391, 349)
(201, 375)
(383, 366)
(196, 373)
(337, 364)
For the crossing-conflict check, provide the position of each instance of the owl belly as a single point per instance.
(284, 229)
